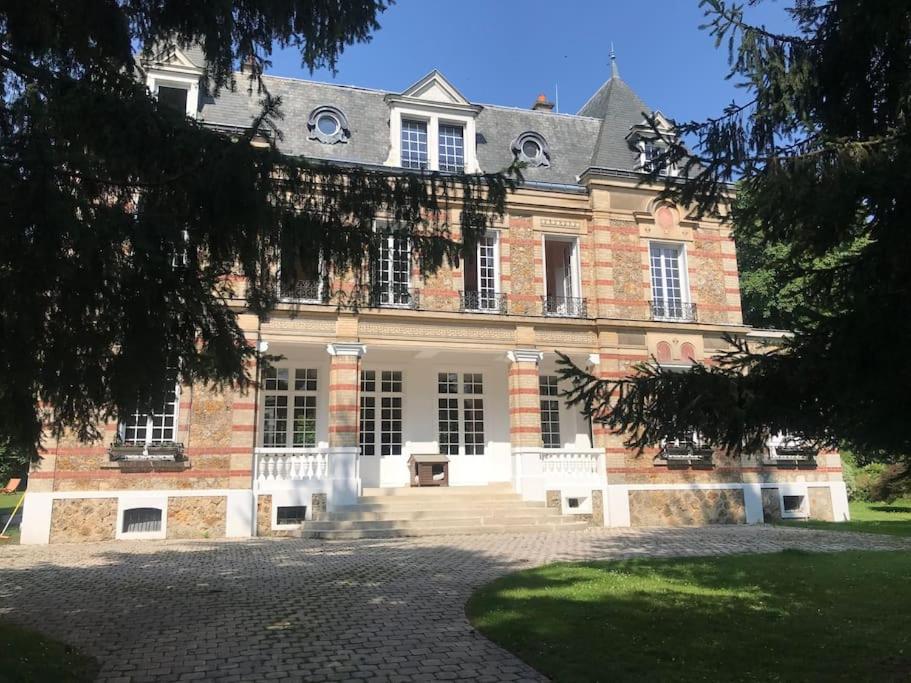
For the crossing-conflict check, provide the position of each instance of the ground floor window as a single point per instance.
(460, 413)
(289, 407)
(153, 426)
(550, 411)
(381, 412)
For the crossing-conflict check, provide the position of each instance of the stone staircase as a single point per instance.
(397, 512)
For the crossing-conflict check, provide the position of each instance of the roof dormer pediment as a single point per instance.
(171, 59)
(434, 91)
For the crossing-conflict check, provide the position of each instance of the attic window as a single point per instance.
(531, 149)
(328, 125)
(173, 98)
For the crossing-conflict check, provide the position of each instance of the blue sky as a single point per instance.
(506, 52)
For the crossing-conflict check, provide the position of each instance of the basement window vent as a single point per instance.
(793, 505)
(291, 514)
(141, 520)
(573, 503)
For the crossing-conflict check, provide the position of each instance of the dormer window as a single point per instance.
(414, 144)
(173, 98)
(452, 148)
(328, 125)
(531, 149)
(432, 128)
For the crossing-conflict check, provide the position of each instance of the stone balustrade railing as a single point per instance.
(291, 464)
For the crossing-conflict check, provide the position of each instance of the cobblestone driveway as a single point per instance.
(290, 609)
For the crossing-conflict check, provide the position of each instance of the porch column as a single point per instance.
(524, 400)
(344, 380)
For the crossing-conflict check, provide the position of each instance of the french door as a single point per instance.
(381, 428)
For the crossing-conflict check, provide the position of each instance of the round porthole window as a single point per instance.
(531, 149)
(328, 125)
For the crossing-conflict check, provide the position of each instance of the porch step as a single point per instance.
(393, 513)
(421, 491)
(399, 532)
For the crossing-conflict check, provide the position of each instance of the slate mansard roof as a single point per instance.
(596, 137)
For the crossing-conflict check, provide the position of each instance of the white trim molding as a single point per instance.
(346, 349)
(525, 356)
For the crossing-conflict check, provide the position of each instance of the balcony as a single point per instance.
(482, 302)
(673, 310)
(395, 296)
(564, 307)
(790, 450)
(303, 291)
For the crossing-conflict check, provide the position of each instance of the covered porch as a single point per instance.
(340, 417)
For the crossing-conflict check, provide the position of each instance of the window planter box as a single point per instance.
(172, 452)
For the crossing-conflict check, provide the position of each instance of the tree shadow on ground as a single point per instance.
(308, 609)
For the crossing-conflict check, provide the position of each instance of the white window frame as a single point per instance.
(440, 123)
(290, 394)
(321, 284)
(683, 271)
(378, 394)
(461, 395)
(386, 287)
(550, 398)
(575, 272)
(427, 126)
(495, 307)
(433, 115)
(174, 80)
(125, 503)
(792, 490)
(644, 162)
(149, 441)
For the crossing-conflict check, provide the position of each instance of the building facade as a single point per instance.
(460, 364)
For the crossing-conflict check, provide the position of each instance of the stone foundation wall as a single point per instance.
(264, 518)
(771, 506)
(197, 517)
(686, 508)
(821, 503)
(87, 519)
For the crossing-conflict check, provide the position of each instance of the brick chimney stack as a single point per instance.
(542, 104)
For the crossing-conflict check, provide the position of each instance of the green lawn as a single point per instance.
(29, 656)
(788, 616)
(875, 518)
(7, 504)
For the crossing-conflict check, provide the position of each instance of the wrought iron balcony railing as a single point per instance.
(672, 309)
(564, 306)
(395, 296)
(791, 449)
(483, 302)
(308, 291)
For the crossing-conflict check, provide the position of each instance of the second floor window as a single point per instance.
(482, 276)
(391, 275)
(414, 144)
(452, 148)
(669, 290)
(301, 276)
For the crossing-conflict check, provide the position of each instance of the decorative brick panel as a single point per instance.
(686, 508)
(83, 519)
(196, 517)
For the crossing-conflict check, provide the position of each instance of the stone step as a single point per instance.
(408, 491)
(442, 499)
(401, 532)
(416, 506)
(424, 513)
(475, 522)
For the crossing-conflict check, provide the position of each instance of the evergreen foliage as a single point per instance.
(128, 227)
(821, 149)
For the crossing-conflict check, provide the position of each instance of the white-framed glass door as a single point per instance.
(460, 413)
(381, 427)
(482, 275)
(670, 289)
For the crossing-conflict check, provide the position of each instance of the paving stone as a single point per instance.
(293, 609)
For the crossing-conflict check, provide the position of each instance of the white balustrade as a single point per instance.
(536, 470)
(570, 463)
(291, 464)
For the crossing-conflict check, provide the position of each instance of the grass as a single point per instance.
(7, 505)
(29, 656)
(875, 518)
(785, 616)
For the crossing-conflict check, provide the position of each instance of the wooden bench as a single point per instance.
(431, 469)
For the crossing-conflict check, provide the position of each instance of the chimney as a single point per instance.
(542, 104)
